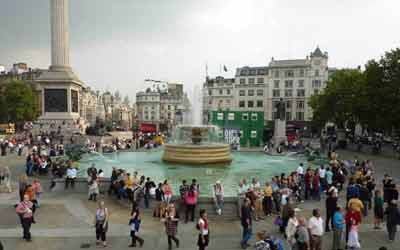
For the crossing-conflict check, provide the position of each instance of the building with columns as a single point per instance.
(259, 88)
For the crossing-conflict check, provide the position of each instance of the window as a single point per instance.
(316, 83)
(245, 117)
(289, 73)
(301, 92)
(250, 104)
(231, 116)
(300, 105)
(260, 104)
(169, 115)
(220, 116)
(276, 93)
(260, 80)
(288, 104)
(276, 74)
(316, 91)
(288, 116)
(253, 134)
(288, 84)
(260, 92)
(242, 92)
(251, 80)
(250, 92)
(252, 72)
(146, 117)
(221, 92)
(169, 107)
(276, 84)
(254, 116)
(242, 81)
(300, 116)
(228, 102)
(316, 72)
(301, 84)
(302, 73)
(228, 91)
(241, 104)
(288, 92)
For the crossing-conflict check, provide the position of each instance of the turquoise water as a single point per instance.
(245, 165)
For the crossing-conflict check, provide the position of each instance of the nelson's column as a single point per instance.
(60, 89)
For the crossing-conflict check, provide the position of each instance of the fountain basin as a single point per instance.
(197, 154)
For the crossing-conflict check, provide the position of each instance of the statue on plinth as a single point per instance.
(281, 110)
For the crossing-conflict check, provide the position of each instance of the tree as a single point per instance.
(19, 101)
(339, 101)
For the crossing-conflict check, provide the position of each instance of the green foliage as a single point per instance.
(371, 98)
(17, 102)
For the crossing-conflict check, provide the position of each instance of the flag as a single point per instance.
(225, 69)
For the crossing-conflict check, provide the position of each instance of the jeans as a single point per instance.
(246, 235)
(172, 238)
(219, 203)
(337, 238)
(37, 199)
(136, 238)
(365, 210)
(69, 181)
(391, 230)
(189, 209)
(267, 205)
(146, 200)
(240, 204)
(26, 226)
(329, 218)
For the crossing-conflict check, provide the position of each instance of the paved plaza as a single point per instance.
(65, 220)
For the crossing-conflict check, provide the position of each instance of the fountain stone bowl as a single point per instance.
(197, 145)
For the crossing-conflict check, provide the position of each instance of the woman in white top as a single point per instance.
(291, 229)
(202, 226)
(218, 194)
(101, 224)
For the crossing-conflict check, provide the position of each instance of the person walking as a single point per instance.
(378, 209)
(183, 189)
(218, 196)
(148, 186)
(134, 224)
(392, 214)
(190, 201)
(316, 230)
(7, 178)
(246, 222)
(365, 198)
(291, 229)
(101, 224)
(93, 188)
(303, 237)
(71, 176)
(25, 211)
(338, 227)
(203, 227)
(171, 227)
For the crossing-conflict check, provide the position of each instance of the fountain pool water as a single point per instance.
(149, 163)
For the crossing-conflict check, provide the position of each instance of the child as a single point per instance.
(93, 190)
(37, 189)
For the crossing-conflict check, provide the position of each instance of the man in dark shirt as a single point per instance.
(246, 223)
(364, 197)
(183, 189)
(331, 204)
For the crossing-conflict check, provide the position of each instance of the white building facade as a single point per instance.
(259, 88)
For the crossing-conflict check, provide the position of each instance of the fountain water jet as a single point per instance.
(197, 144)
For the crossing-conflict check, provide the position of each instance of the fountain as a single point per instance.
(197, 144)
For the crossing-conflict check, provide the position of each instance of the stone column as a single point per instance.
(59, 22)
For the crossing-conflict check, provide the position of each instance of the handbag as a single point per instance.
(278, 221)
